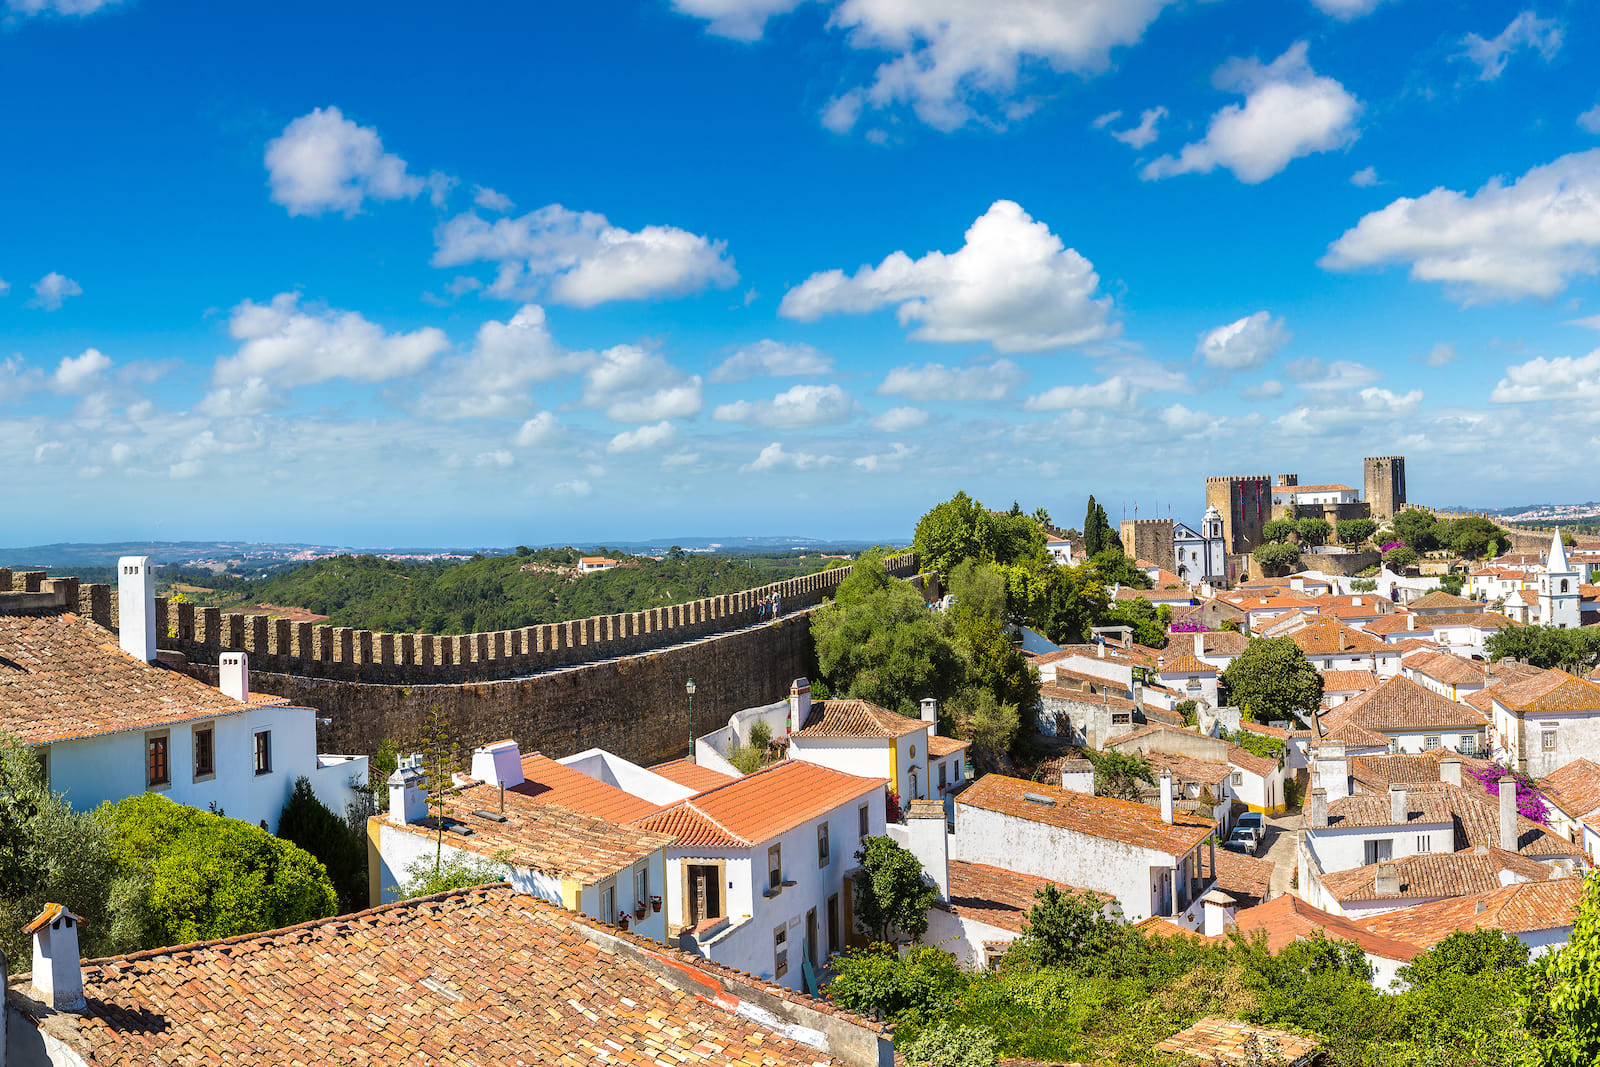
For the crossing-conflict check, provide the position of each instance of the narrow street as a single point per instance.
(1282, 832)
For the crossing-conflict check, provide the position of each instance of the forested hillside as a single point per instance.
(491, 593)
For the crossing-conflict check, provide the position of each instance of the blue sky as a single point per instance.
(516, 272)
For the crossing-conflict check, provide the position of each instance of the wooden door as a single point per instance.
(811, 937)
(834, 944)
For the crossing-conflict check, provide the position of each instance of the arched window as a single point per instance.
(1563, 585)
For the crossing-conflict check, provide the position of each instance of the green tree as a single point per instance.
(876, 640)
(207, 876)
(1400, 557)
(750, 758)
(1548, 647)
(943, 1045)
(890, 892)
(1112, 567)
(1466, 952)
(1419, 529)
(1471, 536)
(1561, 1006)
(460, 870)
(962, 529)
(1188, 711)
(1354, 532)
(1120, 774)
(1272, 679)
(1277, 559)
(439, 760)
(1063, 928)
(1453, 583)
(878, 980)
(1093, 524)
(1149, 621)
(311, 824)
(1314, 531)
(1277, 530)
(52, 854)
(989, 724)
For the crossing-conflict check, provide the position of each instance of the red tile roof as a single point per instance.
(1574, 788)
(1519, 908)
(1287, 919)
(1221, 1041)
(1242, 876)
(64, 677)
(464, 979)
(999, 897)
(1437, 874)
(1401, 705)
(1553, 690)
(759, 806)
(856, 718)
(549, 782)
(1439, 600)
(940, 745)
(1327, 637)
(1349, 681)
(1105, 817)
(688, 773)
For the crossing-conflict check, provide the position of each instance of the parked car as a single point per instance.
(1242, 841)
(1254, 822)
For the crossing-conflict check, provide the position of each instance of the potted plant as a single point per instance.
(622, 920)
(655, 904)
(638, 910)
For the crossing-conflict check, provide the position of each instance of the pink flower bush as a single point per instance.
(1530, 805)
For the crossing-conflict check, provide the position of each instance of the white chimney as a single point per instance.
(1450, 771)
(1411, 620)
(1319, 809)
(930, 715)
(136, 608)
(1386, 881)
(57, 967)
(1100, 649)
(1508, 815)
(799, 703)
(928, 842)
(1219, 913)
(1397, 804)
(233, 675)
(408, 800)
(1077, 776)
(1166, 795)
(1199, 644)
(498, 764)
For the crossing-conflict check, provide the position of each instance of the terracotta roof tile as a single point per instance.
(1219, 1040)
(63, 677)
(549, 782)
(1402, 705)
(1287, 919)
(856, 718)
(1439, 599)
(940, 745)
(1519, 908)
(999, 897)
(690, 774)
(1364, 812)
(1184, 769)
(1184, 663)
(1243, 876)
(1437, 874)
(1105, 817)
(1574, 788)
(1553, 690)
(464, 979)
(1448, 668)
(1349, 681)
(759, 806)
(1327, 637)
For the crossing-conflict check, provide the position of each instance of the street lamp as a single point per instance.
(689, 688)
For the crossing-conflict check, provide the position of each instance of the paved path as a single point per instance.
(1282, 832)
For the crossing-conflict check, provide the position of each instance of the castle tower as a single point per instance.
(1245, 503)
(1560, 602)
(1384, 485)
(1150, 540)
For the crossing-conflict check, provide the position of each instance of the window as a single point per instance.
(1238, 779)
(1469, 744)
(157, 768)
(944, 781)
(1430, 742)
(913, 751)
(823, 855)
(264, 752)
(1121, 718)
(1380, 851)
(608, 903)
(205, 752)
(862, 820)
(1563, 585)
(775, 866)
(1424, 843)
(780, 952)
(641, 886)
(1547, 739)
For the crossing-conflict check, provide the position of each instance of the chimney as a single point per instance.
(1199, 644)
(1077, 776)
(1166, 795)
(1411, 620)
(1397, 804)
(1508, 815)
(1480, 906)
(1100, 648)
(930, 715)
(1319, 809)
(498, 764)
(928, 842)
(136, 608)
(57, 967)
(233, 675)
(1386, 881)
(1219, 913)
(799, 704)
(408, 800)
(1450, 770)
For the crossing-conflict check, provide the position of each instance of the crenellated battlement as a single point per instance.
(286, 646)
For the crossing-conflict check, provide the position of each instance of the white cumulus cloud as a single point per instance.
(1346, 10)
(1245, 344)
(772, 359)
(1528, 238)
(1565, 380)
(1289, 111)
(743, 20)
(800, 406)
(1115, 392)
(1365, 178)
(581, 259)
(74, 373)
(1145, 132)
(1340, 415)
(1589, 121)
(492, 379)
(1013, 284)
(51, 291)
(324, 162)
(935, 381)
(634, 384)
(899, 420)
(490, 200)
(539, 430)
(776, 457)
(1527, 30)
(25, 8)
(644, 439)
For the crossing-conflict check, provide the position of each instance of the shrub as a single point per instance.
(890, 892)
(312, 825)
(943, 1045)
(456, 871)
(878, 980)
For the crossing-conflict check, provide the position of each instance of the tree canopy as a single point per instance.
(890, 892)
(1354, 532)
(1277, 530)
(1272, 679)
(1547, 647)
(1561, 1007)
(1419, 529)
(962, 529)
(1313, 531)
(1277, 559)
(311, 824)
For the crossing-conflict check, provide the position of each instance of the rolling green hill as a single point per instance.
(491, 593)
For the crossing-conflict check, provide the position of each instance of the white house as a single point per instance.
(1060, 549)
(585, 864)
(109, 721)
(1560, 599)
(758, 873)
(1154, 861)
(1546, 721)
(1202, 556)
(592, 564)
(1573, 794)
(1410, 718)
(1540, 914)
(1284, 495)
